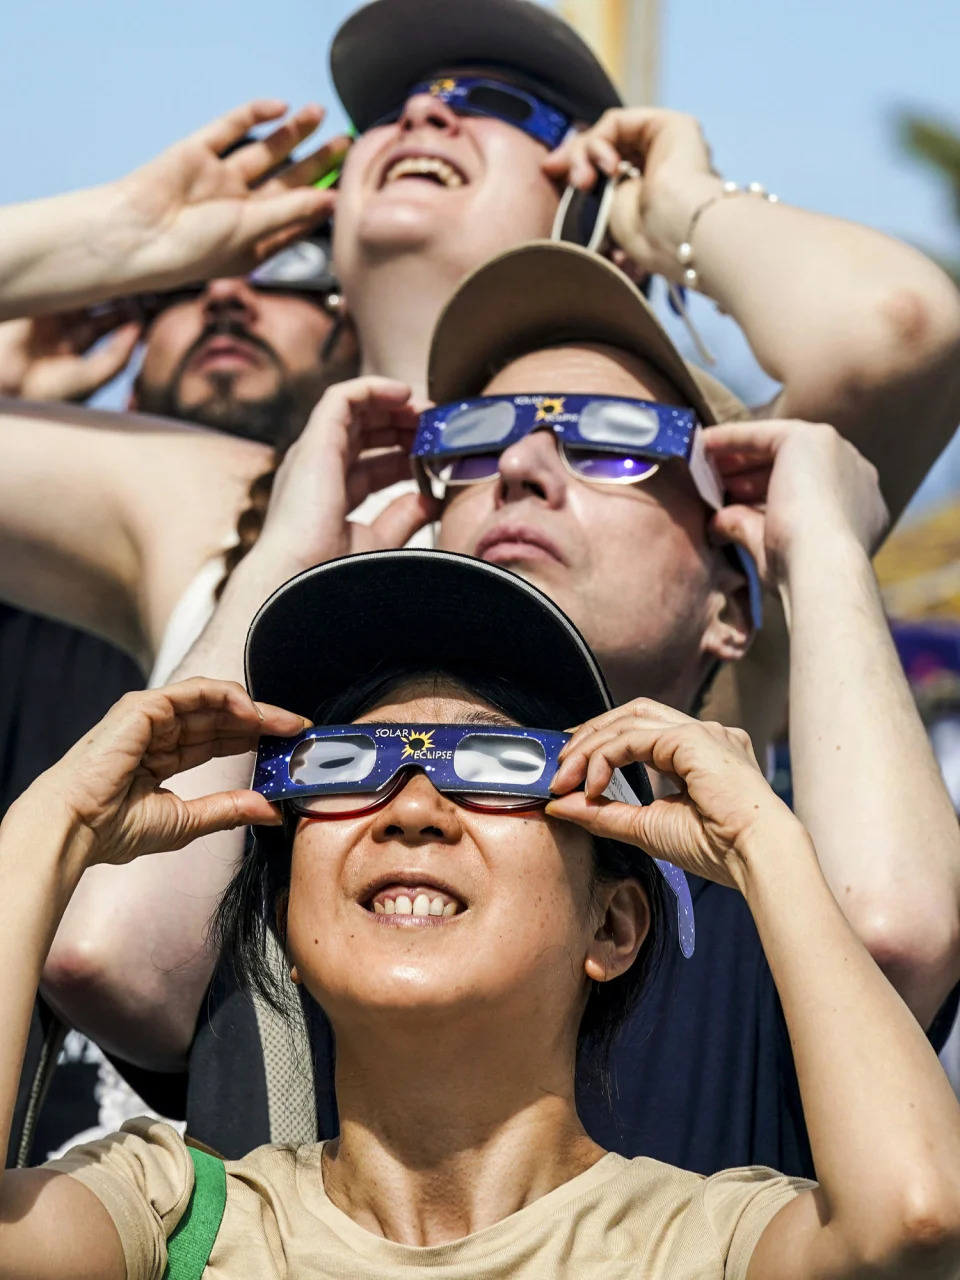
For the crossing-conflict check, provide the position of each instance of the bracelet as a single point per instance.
(685, 251)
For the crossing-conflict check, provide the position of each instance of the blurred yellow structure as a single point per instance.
(625, 34)
(919, 567)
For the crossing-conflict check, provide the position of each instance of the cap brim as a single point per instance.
(387, 46)
(546, 293)
(330, 626)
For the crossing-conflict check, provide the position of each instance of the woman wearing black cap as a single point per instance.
(466, 943)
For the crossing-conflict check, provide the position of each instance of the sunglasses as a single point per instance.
(301, 270)
(477, 96)
(346, 770)
(601, 440)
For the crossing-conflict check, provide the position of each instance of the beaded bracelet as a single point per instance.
(685, 251)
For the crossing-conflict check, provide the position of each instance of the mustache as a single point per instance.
(226, 327)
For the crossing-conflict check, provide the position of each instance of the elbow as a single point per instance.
(916, 946)
(905, 336)
(120, 1005)
(921, 1236)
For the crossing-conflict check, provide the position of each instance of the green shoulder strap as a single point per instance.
(190, 1246)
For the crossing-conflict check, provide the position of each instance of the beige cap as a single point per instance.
(546, 293)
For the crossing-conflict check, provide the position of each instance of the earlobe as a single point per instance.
(625, 924)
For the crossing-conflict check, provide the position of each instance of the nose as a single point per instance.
(418, 814)
(230, 297)
(424, 111)
(532, 468)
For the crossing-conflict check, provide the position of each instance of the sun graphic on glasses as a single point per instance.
(549, 407)
(414, 742)
(442, 86)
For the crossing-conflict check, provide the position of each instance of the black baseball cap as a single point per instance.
(390, 45)
(333, 624)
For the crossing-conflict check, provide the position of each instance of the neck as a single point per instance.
(396, 310)
(441, 1136)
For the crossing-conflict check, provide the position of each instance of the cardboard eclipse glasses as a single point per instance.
(602, 439)
(332, 771)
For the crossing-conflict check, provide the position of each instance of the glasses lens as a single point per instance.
(619, 422)
(502, 102)
(480, 466)
(608, 468)
(496, 800)
(344, 804)
(333, 760)
(302, 265)
(499, 759)
(478, 425)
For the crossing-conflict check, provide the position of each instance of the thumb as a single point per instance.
(223, 812)
(108, 360)
(403, 517)
(744, 526)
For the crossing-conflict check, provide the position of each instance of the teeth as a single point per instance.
(424, 166)
(419, 903)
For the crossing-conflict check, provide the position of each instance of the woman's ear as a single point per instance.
(730, 629)
(623, 927)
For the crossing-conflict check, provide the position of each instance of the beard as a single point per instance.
(276, 419)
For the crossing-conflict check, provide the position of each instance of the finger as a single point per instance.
(405, 516)
(269, 215)
(557, 163)
(631, 824)
(749, 486)
(270, 244)
(227, 129)
(746, 527)
(255, 160)
(603, 154)
(316, 165)
(104, 364)
(575, 766)
(224, 811)
(379, 471)
(232, 701)
(753, 440)
(640, 709)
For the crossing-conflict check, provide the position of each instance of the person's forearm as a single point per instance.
(884, 1124)
(866, 783)
(37, 881)
(131, 963)
(66, 251)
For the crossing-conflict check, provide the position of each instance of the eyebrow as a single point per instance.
(485, 716)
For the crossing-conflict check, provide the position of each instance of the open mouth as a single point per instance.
(426, 168)
(415, 904)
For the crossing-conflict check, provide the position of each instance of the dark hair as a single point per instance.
(248, 907)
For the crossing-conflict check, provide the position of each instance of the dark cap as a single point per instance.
(388, 46)
(334, 624)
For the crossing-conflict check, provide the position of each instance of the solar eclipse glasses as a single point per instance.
(601, 439)
(345, 770)
(478, 96)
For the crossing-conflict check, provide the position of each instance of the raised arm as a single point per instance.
(190, 214)
(105, 517)
(884, 1124)
(806, 505)
(103, 802)
(131, 965)
(862, 331)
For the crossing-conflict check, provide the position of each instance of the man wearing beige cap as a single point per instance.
(571, 444)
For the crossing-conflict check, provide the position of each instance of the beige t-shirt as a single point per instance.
(622, 1218)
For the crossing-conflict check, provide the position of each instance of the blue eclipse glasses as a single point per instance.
(602, 439)
(344, 770)
(477, 96)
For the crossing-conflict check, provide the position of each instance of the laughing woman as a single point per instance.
(467, 935)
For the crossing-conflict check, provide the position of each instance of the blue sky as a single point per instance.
(801, 97)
